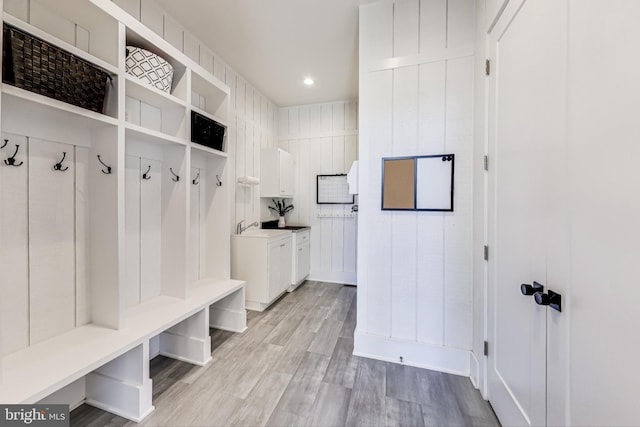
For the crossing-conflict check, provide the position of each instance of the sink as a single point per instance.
(264, 234)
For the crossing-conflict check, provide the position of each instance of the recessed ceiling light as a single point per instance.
(308, 81)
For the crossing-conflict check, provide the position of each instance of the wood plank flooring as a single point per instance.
(294, 367)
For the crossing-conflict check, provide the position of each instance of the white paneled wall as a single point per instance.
(416, 98)
(44, 235)
(252, 117)
(323, 140)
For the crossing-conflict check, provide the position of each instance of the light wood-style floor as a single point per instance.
(294, 367)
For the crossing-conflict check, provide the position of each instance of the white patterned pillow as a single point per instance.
(149, 67)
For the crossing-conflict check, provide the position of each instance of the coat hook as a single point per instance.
(6, 141)
(146, 174)
(58, 166)
(108, 171)
(219, 183)
(177, 178)
(11, 161)
(195, 180)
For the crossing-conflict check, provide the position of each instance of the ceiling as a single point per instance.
(275, 44)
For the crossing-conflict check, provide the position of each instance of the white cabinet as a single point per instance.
(263, 259)
(276, 174)
(301, 260)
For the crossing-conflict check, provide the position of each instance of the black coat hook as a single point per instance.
(58, 166)
(108, 171)
(6, 141)
(219, 183)
(11, 161)
(146, 174)
(195, 180)
(177, 178)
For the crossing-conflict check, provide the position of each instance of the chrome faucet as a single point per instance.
(240, 228)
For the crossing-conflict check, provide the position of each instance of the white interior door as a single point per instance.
(526, 145)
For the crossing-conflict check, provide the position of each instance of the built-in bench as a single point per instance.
(108, 368)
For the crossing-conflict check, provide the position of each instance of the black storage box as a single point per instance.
(33, 64)
(208, 132)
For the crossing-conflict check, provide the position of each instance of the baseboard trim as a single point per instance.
(421, 355)
(475, 369)
(333, 277)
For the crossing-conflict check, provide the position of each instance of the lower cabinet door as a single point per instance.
(273, 267)
(285, 264)
(303, 261)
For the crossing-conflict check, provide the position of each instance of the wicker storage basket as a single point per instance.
(33, 64)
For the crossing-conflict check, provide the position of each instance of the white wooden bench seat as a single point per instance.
(114, 364)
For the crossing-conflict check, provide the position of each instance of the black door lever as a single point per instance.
(530, 290)
(552, 299)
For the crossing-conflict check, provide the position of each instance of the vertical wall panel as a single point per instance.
(83, 306)
(241, 101)
(14, 279)
(337, 228)
(220, 70)
(191, 47)
(195, 225)
(403, 237)
(378, 33)
(132, 7)
(351, 116)
(152, 17)
(206, 58)
(51, 241)
(305, 123)
(406, 15)
(294, 123)
(17, 8)
(173, 32)
(461, 25)
(132, 230)
(430, 272)
(151, 227)
(378, 250)
(458, 229)
(241, 195)
(51, 22)
(315, 168)
(433, 25)
(338, 117)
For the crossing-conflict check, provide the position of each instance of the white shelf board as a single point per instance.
(37, 107)
(209, 150)
(148, 94)
(110, 68)
(209, 85)
(211, 116)
(37, 371)
(147, 135)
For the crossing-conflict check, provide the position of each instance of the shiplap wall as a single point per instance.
(252, 117)
(415, 268)
(323, 140)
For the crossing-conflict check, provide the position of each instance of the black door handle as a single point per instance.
(552, 299)
(530, 290)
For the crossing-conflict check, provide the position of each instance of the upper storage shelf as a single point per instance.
(179, 85)
(209, 97)
(82, 28)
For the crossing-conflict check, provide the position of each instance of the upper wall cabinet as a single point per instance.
(276, 173)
